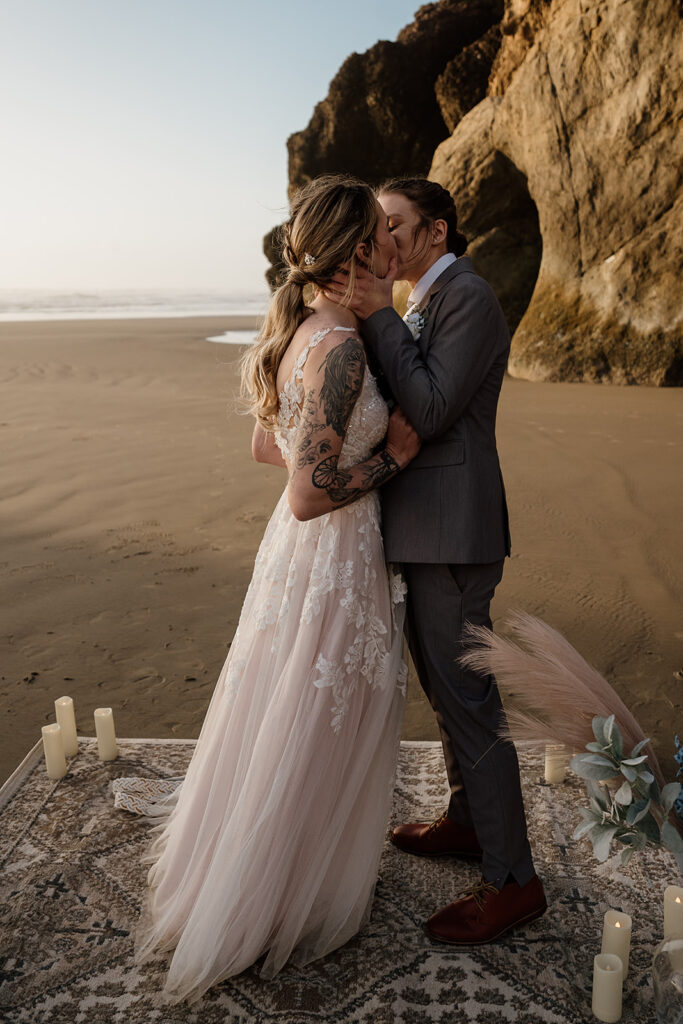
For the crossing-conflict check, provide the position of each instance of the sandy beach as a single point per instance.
(131, 513)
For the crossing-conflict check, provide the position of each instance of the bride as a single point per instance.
(271, 843)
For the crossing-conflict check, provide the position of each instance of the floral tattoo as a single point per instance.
(343, 369)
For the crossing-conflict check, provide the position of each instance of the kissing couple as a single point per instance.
(271, 844)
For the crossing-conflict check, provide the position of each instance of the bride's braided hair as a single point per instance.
(433, 202)
(329, 218)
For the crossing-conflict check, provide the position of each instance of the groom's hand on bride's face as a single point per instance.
(370, 293)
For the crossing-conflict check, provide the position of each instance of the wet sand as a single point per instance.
(131, 511)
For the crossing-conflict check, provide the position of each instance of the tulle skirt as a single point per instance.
(271, 843)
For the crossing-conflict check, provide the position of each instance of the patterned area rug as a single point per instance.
(71, 886)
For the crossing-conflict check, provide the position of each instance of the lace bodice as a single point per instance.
(367, 425)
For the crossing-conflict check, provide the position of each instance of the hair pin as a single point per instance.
(308, 259)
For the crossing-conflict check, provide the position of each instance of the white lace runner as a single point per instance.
(148, 797)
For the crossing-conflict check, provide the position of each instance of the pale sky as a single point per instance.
(144, 141)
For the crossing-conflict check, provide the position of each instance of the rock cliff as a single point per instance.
(564, 157)
(582, 123)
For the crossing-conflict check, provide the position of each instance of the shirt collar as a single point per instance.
(427, 280)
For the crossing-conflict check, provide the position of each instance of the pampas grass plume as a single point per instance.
(551, 693)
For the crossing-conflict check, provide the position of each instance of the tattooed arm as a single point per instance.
(333, 378)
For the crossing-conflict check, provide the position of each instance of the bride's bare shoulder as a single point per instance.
(324, 332)
(324, 327)
(328, 336)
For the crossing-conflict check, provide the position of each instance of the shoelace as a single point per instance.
(478, 892)
(439, 821)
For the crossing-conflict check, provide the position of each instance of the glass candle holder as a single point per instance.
(667, 978)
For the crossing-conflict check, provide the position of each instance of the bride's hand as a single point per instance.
(402, 442)
(369, 294)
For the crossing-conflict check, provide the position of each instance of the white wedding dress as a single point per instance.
(271, 843)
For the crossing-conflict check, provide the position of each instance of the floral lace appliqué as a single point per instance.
(327, 574)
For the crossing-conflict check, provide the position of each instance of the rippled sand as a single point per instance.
(131, 513)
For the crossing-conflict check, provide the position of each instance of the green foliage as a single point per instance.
(636, 814)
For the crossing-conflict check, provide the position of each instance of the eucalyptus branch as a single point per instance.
(638, 813)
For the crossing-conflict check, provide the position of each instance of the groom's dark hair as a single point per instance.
(433, 203)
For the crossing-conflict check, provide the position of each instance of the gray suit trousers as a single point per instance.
(483, 771)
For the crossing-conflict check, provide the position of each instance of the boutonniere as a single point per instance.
(415, 320)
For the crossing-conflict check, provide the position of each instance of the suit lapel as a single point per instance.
(463, 265)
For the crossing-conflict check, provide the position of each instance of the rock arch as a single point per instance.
(504, 235)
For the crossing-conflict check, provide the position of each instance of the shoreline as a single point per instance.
(132, 512)
(236, 321)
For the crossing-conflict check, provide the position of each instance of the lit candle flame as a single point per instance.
(617, 924)
(678, 899)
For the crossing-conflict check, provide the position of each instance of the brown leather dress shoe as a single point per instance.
(441, 838)
(482, 913)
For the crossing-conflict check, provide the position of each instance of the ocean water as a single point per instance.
(30, 304)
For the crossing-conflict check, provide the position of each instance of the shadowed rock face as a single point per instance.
(465, 81)
(381, 117)
(584, 105)
(272, 250)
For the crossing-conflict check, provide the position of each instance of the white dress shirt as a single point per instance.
(427, 280)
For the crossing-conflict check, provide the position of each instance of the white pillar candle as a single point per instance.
(616, 936)
(55, 762)
(555, 763)
(106, 737)
(607, 982)
(64, 710)
(673, 912)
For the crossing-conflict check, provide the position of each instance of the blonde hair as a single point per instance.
(330, 217)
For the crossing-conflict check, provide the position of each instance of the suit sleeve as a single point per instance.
(434, 389)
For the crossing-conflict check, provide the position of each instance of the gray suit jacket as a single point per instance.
(449, 504)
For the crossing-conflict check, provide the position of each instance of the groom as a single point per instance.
(445, 519)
